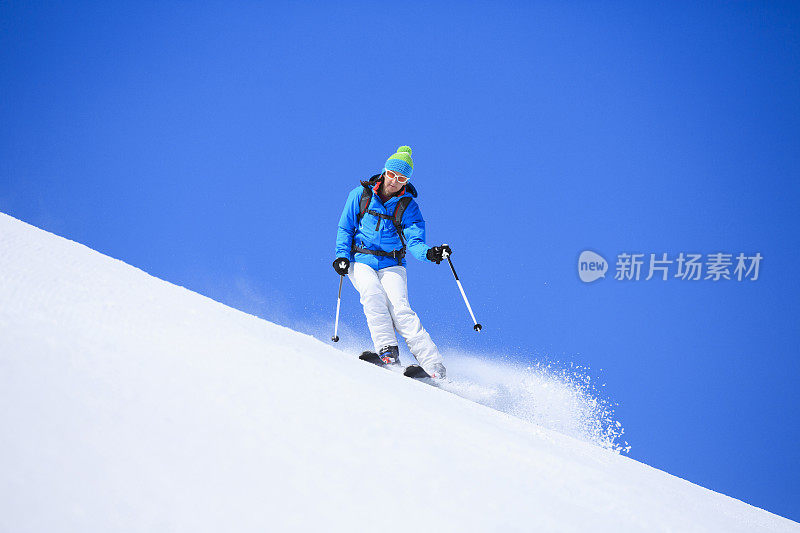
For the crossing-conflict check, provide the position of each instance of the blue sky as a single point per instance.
(214, 145)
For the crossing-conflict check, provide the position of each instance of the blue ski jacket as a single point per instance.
(385, 237)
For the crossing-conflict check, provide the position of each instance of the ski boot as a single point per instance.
(390, 355)
(438, 371)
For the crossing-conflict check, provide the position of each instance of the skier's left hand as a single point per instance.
(438, 253)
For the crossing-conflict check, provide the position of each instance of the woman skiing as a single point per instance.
(379, 223)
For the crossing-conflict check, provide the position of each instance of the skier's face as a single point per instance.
(390, 182)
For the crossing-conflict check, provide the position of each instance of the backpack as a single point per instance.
(396, 218)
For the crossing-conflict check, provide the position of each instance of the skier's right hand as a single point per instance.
(341, 265)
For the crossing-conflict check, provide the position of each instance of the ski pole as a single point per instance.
(476, 327)
(335, 337)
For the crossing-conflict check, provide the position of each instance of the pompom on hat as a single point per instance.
(401, 162)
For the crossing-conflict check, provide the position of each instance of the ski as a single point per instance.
(371, 357)
(415, 371)
(411, 371)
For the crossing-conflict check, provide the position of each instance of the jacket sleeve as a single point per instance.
(414, 231)
(347, 224)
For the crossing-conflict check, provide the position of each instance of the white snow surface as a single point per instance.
(130, 404)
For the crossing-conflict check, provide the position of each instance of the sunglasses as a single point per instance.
(395, 176)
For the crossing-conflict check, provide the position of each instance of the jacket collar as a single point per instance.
(375, 181)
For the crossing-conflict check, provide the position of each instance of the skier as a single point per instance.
(379, 222)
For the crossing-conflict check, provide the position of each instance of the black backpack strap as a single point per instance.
(363, 205)
(399, 209)
(394, 254)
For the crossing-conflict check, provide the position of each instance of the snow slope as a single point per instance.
(130, 404)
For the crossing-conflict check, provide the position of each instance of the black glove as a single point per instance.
(340, 265)
(438, 253)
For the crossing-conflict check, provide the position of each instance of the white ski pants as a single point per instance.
(384, 295)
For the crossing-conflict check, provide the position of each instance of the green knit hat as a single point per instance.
(401, 162)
